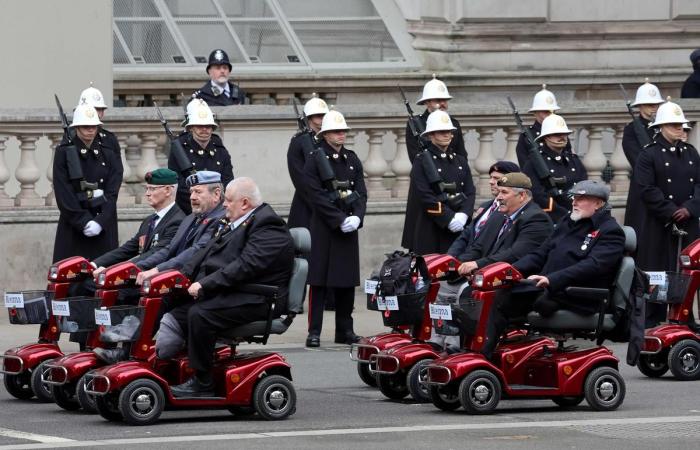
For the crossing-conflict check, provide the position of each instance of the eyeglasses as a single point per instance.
(154, 188)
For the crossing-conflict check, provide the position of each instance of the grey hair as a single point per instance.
(246, 187)
(518, 190)
(214, 186)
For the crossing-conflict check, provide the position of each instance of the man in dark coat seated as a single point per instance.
(585, 250)
(255, 247)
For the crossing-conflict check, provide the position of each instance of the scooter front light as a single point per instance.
(53, 272)
(479, 280)
(685, 260)
(101, 278)
(146, 287)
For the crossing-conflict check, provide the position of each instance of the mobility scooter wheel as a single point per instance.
(19, 386)
(684, 360)
(274, 398)
(445, 398)
(480, 392)
(141, 402)
(65, 397)
(567, 402)
(604, 389)
(108, 407)
(415, 380)
(653, 366)
(368, 378)
(393, 386)
(41, 390)
(86, 401)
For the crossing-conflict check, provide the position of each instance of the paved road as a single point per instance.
(335, 410)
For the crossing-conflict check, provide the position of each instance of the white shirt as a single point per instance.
(162, 212)
(223, 89)
(242, 219)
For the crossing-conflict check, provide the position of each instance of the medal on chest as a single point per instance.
(589, 237)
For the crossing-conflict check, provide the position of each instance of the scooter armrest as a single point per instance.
(262, 289)
(587, 293)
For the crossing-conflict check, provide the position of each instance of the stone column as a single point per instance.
(5, 200)
(27, 172)
(375, 166)
(484, 160)
(54, 141)
(595, 161)
(401, 166)
(621, 167)
(512, 136)
(126, 198)
(148, 155)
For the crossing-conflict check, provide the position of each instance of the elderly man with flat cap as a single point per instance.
(584, 250)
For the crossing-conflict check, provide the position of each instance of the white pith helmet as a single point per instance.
(669, 112)
(544, 100)
(333, 121)
(93, 97)
(315, 106)
(434, 89)
(553, 124)
(438, 121)
(85, 115)
(199, 113)
(648, 94)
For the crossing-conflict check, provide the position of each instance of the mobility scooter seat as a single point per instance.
(566, 320)
(295, 299)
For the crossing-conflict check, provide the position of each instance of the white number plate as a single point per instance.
(59, 308)
(381, 304)
(371, 286)
(14, 300)
(102, 317)
(657, 278)
(443, 312)
(392, 302)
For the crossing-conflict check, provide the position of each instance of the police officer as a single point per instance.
(436, 216)
(204, 149)
(647, 101)
(435, 97)
(219, 91)
(544, 103)
(334, 262)
(691, 86)
(87, 224)
(561, 163)
(668, 175)
(93, 97)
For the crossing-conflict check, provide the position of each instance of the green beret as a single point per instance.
(515, 180)
(161, 176)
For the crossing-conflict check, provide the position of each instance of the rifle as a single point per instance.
(308, 140)
(88, 193)
(552, 185)
(447, 192)
(639, 129)
(181, 160)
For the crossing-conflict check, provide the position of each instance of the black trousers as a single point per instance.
(344, 304)
(203, 325)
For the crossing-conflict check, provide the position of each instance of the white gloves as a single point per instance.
(97, 193)
(92, 228)
(350, 224)
(457, 223)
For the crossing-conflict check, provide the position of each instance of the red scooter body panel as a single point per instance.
(368, 346)
(670, 334)
(75, 364)
(31, 355)
(404, 356)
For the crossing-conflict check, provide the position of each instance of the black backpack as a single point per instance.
(629, 326)
(397, 271)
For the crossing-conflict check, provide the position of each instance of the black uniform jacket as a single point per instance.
(691, 86)
(457, 144)
(634, 209)
(468, 236)
(259, 251)
(143, 244)
(567, 165)
(529, 229)
(215, 158)
(425, 227)
(236, 95)
(521, 149)
(103, 167)
(585, 253)
(335, 256)
(668, 176)
(300, 211)
(193, 234)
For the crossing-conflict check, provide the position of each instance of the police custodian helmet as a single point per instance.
(220, 57)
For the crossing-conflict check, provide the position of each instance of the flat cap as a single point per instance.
(203, 177)
(592, 188)
(515, 180)
(504, 167)
(161, 177)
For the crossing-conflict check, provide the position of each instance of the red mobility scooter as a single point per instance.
(66, 375)
(676, 346)
(21, 365)
(137, 391)
(531, 367)
(439, 267)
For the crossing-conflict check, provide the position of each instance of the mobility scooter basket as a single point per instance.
(465, 317)
(371, 285)
(672, 290)
(120, 323)
(407, 309)
(28, 307)
(76, 314)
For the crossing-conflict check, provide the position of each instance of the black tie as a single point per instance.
(504, 228)
(151, 227)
